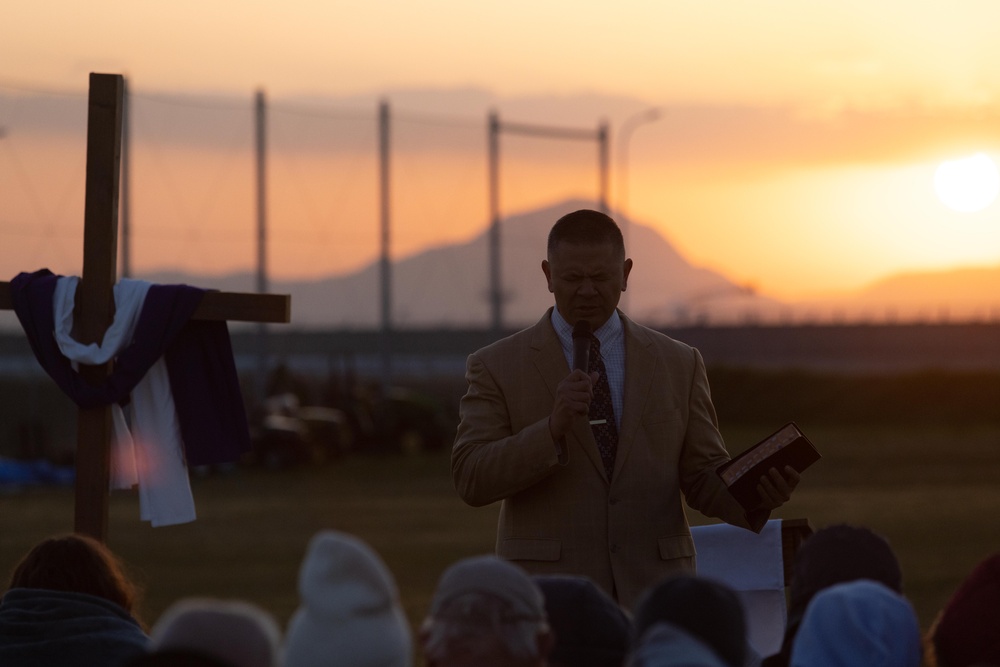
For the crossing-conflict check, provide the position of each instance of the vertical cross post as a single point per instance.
(94, 309)
(95, 298)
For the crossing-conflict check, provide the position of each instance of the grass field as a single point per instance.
(934, 492)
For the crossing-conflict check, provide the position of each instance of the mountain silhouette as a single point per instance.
(448, 286)
(966, 293)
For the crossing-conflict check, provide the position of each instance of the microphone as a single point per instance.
(581, 345)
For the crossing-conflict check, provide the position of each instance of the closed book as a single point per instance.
(788, 446)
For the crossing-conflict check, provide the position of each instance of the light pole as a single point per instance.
(629, 126)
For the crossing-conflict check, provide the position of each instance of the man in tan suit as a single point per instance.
(525, 439)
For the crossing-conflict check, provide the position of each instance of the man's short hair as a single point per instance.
(586, 227)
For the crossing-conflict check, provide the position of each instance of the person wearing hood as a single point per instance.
(350, 613)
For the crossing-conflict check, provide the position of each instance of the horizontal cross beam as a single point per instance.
(232, 306)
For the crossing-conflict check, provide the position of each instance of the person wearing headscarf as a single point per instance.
(833, 555)
(859, 623)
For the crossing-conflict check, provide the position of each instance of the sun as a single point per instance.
(967, 184)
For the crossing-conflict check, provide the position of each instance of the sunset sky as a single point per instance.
(795, 151)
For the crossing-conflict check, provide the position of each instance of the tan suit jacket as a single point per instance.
(562, 514)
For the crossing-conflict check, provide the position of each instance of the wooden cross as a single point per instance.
(95, 307)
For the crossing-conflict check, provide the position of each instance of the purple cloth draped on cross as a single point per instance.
(198, 355)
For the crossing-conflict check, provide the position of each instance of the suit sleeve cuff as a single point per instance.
(562, 453)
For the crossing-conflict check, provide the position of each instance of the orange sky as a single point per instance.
(795, 153)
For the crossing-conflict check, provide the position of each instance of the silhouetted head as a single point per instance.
(486, 612)
(76, 564)
(591, 630)
(708, 610)
(585, 267)
(205, 632)
(965, 632)
(838, 554)
(834, 555)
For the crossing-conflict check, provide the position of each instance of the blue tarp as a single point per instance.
(14, 473)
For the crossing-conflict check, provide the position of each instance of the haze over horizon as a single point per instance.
(447, 286)
(795, 147)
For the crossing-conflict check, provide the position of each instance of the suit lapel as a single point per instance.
(550, 362)
(640, 365)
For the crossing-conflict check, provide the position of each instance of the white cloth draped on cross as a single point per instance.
(151, 453)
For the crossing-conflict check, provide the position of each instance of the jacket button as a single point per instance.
(612, 501)
(614, 548)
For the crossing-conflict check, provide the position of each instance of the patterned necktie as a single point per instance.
(602, 412)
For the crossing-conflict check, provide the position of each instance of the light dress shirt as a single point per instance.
(611, 334)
